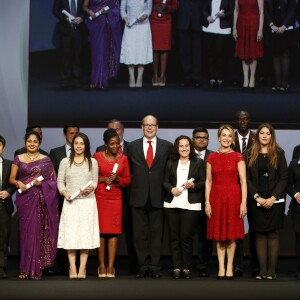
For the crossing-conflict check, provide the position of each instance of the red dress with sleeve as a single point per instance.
(225, 197)
(161, 26)
(109, 202)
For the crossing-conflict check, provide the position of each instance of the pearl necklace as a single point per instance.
(32, 158)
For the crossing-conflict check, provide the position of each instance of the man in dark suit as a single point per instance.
(205, 246)
(38, 129)
(118, 126)
(126, 215)
(56, 155)
(293, 189)
(6, 208)
(243, 141)
(72, 35)
(147, 158)
(296, 152)
(189, 24)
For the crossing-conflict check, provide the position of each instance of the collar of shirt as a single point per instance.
(200, 153)
(146, 145)
(1, 160)
(153, 140)
(241, 137)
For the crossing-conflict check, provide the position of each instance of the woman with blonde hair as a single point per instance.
(267, 177)
(225, 199)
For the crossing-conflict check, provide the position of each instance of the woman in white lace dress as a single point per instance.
(136, 49)
(78, 227)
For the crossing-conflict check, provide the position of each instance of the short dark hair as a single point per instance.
(31, 127)
(242, 112)
(2, 140)
(108, 134)
(71, 125)
(175, 152)
(32, 132)
(200, 129)
(115, 121)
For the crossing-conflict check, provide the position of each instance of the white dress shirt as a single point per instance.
(240, 137)
(146, 145)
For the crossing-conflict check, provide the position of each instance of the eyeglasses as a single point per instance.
(149, 125)
(201, 138)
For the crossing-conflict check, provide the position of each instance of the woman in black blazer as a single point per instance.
(267, 176)
(280, 23)
(183, 202)
(293, 189)
(217, 24)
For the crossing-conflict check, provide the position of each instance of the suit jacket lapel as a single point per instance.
(191, 169)
(67, 5)
(159, 150)
(140, 151)
(5, 172)
(62, 153)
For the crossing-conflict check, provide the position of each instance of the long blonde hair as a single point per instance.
(273, 147)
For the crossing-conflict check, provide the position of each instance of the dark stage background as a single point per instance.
(175, 106)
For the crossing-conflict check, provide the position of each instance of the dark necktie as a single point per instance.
(73, 10)
(244, 146)
(149, 157)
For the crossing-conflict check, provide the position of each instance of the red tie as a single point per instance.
(120, 150)
(149, 158)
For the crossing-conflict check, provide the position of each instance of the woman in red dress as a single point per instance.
(248, 33)
(109, 199)
(225, 199)
(161, 28)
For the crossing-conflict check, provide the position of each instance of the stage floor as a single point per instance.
(125, 286)
(174, 106)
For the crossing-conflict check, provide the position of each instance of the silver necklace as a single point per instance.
(79, 164)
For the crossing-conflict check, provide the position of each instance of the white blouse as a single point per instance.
(215, 26)
(182, 200)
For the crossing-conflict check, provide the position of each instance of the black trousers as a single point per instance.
(216, 46)
(190, 53)
(4, 235)
(181, 226)
(147, 225)
(71, 47)
(205, 246)
(127, 228)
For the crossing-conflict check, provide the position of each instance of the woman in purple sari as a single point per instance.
(105, 34)
(37, 208)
